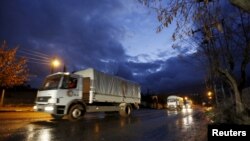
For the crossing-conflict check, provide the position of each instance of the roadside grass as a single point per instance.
(225, 113)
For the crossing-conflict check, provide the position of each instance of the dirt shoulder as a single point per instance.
(16, 108)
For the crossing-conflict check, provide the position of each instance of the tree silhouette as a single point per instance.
(221, 33)
(13, 70)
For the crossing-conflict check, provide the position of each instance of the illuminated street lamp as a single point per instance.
(209, 94)
(54, 63)
(186, 98)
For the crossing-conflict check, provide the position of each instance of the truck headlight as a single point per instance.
(35, 107)
(49, 108)
(52, 100)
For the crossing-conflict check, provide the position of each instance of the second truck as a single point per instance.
(89, 90)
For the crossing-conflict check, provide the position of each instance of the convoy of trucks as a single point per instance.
(89, 90)
(74, 94)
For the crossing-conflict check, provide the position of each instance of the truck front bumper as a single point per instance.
(45, 108)
(50, 108)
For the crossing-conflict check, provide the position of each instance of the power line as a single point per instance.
(30, 61)
(36, 59)
(31, 54)
(35, 52)
(34, 56)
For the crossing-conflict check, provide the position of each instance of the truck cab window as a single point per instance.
(69, 82)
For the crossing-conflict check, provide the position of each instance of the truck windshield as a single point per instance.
(171, 100)
(51, 82)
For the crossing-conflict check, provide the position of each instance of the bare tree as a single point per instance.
(226, 45)
(13, 71)
(221, 29)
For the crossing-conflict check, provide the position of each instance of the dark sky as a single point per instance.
(114, 36)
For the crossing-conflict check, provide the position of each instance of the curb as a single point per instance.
(16, 111)
(13, 109)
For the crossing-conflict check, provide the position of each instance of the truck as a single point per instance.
(188, 104)
(71, 95)
(175, 102)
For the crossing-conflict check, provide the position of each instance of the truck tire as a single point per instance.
(57, 117)
(76, 112)
(125, 110)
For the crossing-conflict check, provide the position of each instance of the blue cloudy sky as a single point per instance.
(115, 36)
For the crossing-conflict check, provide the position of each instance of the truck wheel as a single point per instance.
(57, 117)
(125, 111)
(76, 112)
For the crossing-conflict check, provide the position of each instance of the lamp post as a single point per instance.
(54, 63)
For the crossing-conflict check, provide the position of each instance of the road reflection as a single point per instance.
(146, 125)
(172, 112)
(187, 110)
(45, 135)
(31, 133)
(187, 121)
(93, 127)
(185, 117)
(97, 127)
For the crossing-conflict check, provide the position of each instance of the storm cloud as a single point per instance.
(85, 33)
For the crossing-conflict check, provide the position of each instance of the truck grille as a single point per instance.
(43, 99)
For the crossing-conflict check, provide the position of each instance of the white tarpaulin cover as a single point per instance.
(105, 84)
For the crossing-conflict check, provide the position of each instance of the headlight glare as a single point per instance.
(49, 108)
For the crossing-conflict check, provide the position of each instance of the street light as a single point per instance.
(186, 98)
(54, 63)
(209, 94)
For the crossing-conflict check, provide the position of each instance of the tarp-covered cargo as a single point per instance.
(108, 88)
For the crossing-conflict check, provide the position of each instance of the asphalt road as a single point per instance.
(143, 125)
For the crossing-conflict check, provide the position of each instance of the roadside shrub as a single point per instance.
(225, 113)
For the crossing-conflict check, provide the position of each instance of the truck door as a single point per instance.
(86, 89)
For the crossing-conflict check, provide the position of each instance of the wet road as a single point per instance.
(143, 125)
